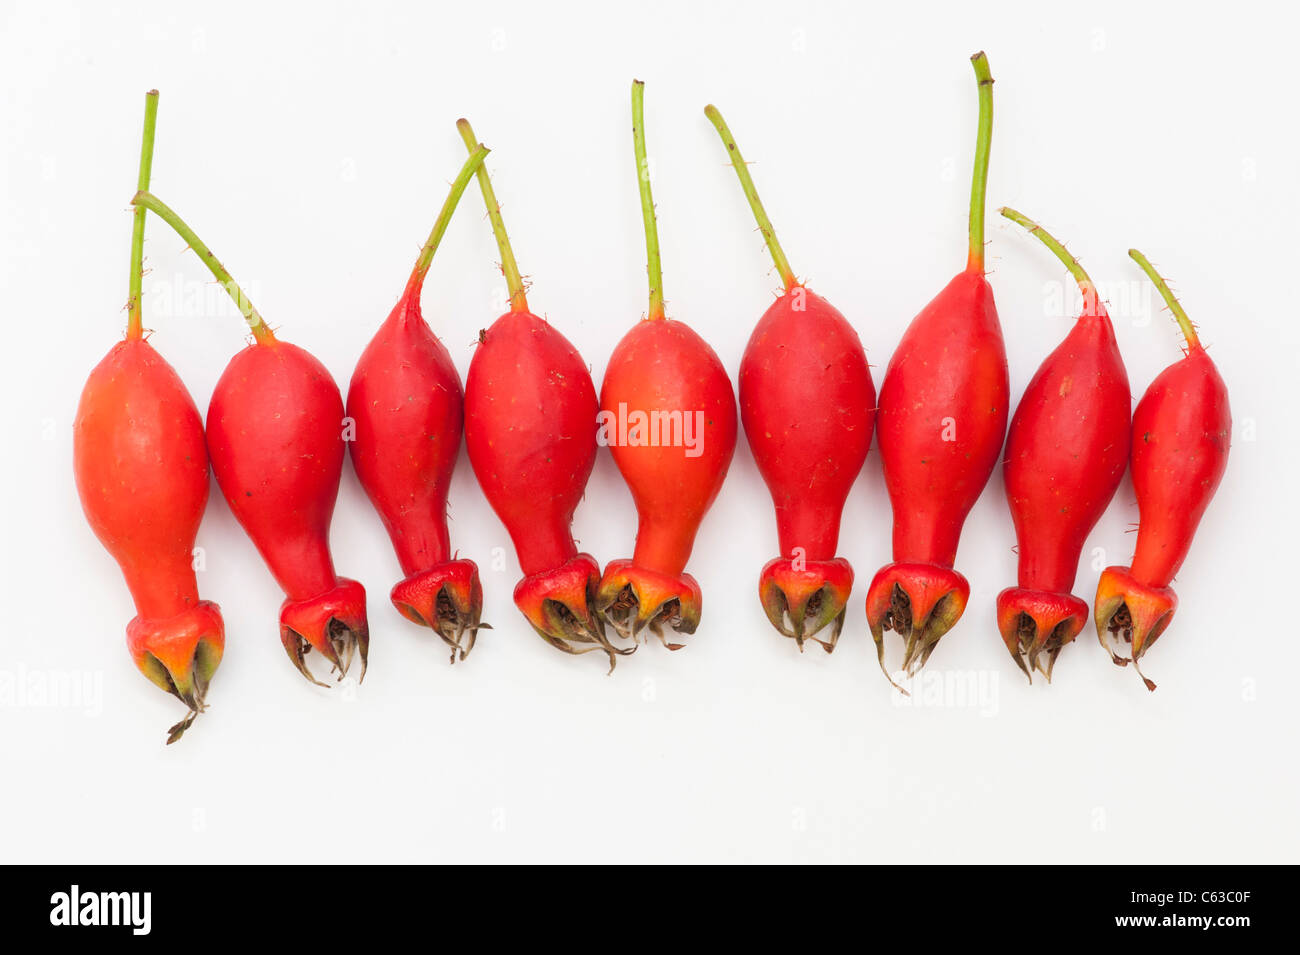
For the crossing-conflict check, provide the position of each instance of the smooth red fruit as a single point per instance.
(141, 467)
(941, 421)
(1066, 452)
(408, 408)
(1182, 432)
(666, 372)
(808, 405)
(142, 474)
(275, 434)
(530, 431)
(942, 417)
(668, 416)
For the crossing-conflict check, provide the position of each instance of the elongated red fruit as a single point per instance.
(409, 409)
(530, 430)
(1182, 430)
(808, 405)
(141, 466)
(275, 433)
(1066, 452)
(668, 416)
(941, 421)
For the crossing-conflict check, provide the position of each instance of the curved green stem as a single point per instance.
(1069, 261)
(510, 268)
(134, 309)
(1180, 316)
(980, 180)
(654, 266)
(751, 194)
(261, 331)
(416, 281)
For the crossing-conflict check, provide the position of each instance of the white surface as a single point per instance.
(311, 153)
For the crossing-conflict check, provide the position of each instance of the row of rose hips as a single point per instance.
(529, 412)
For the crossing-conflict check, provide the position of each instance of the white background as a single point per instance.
(311, 152)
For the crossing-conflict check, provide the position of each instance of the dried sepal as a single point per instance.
(333, 624)
(920, 602)
(448, 599)
(560, 605)
(633, 599)
(180, 654)
(1036, 625)
(803, 598)
(1133, 613)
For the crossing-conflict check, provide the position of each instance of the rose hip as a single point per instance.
(808, 405)
(670, 378)
(1182, 430)
(1066, 452)
(141, 466)
(408, 406)
(530, 430)
(940, 425)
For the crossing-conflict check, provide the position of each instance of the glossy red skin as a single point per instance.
(1182, 430)
(530, 430)
(275, 433)
(1066, 452)
(662, 365)
(407, 402)
(141, 468)
(947, 379)
(142, 472)
(951, 363)
(809, 406)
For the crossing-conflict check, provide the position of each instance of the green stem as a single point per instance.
(980, 180)
(1069, 261)
(514, 282)
(261, 331)
(751, 194)
(1180, 316)
(654, 265)
(134, 309)
(416, 282)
